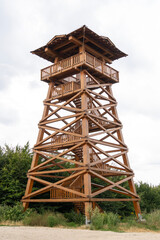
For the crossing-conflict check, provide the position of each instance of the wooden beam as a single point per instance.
(57, 200)
(99, 46)
(91, 50)
(58, 171)
(50, 52)
(113, 199)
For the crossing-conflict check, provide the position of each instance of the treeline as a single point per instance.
(15, 162)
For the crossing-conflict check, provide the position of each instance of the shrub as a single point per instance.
(52, 221)
(111, 219)
(48, 219)
(153, 220)
(77, 218)
(14, 213)
(97, 219)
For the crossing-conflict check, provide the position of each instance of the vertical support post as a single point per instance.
(86, 157)
(126, 161)
(35, 155)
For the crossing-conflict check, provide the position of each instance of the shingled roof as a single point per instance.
(61, 46)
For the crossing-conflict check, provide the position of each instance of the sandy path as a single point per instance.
(44, 233)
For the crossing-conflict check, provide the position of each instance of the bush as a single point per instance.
(97, 219)
(52, 221)
(150, 196)
(111, 219)
(46, 219)
(77, 218)
(35, 219)
(153, 220)
(14, 213)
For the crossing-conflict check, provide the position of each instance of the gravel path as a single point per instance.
(44, 233)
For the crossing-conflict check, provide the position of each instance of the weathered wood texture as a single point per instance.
(80, 137)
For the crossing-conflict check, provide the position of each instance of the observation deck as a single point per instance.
(75, 63)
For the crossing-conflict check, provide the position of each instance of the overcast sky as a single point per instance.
(134, 27)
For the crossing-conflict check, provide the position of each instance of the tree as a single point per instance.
(150, 196)
(14, 164)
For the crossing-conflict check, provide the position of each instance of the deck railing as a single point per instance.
(64, 138)
(75, 60)
(58, 193)
(65, 88)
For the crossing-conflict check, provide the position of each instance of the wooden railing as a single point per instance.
(65, 88)
(58, 193)
(61, 65)
(97, 113)
(101, 67)
(78, 59)
(64, 138)
(96, 158)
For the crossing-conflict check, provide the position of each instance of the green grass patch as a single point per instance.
(107, 221)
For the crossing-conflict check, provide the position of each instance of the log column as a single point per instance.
(126, 162)
(86, 157)
(36, 155)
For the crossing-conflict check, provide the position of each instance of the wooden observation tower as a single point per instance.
(80, 154)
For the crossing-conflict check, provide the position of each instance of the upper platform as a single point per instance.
(73, 65)
(63, 46)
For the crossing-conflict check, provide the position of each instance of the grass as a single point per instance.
(99, 221)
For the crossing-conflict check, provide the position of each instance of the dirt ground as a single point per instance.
(44, 233)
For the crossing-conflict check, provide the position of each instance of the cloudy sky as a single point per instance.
(134, 27)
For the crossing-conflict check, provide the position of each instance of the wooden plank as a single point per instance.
(126, 161)
(100, 85)
(57, 156)
(105, 108)
(103, 128)
(70, 109)
(86, 157)
(106, 160)
(58, 171)
(106, 51)
(71, 99)
(53, 134)
(111, 171)
(113, 199)
(36, 156)
(114, 159)
(45, 189)
(108, 144)
(101, 96)
(57, 200)
(91, 50)
(113, 184)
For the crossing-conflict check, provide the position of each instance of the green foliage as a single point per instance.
(153, 220)
(111, 219)
(105, 221)
(150, 221)
(14, 164)
(121, 208)
(150, 196)
(77, 218)
(14, 213)
(52, 221)
(97, 219)
(46, 219)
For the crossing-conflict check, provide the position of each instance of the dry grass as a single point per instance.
(11, 223)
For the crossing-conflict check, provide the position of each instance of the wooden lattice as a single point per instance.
(80, 153)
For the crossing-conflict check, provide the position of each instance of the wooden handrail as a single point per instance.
(74, 60)
(65, 88)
